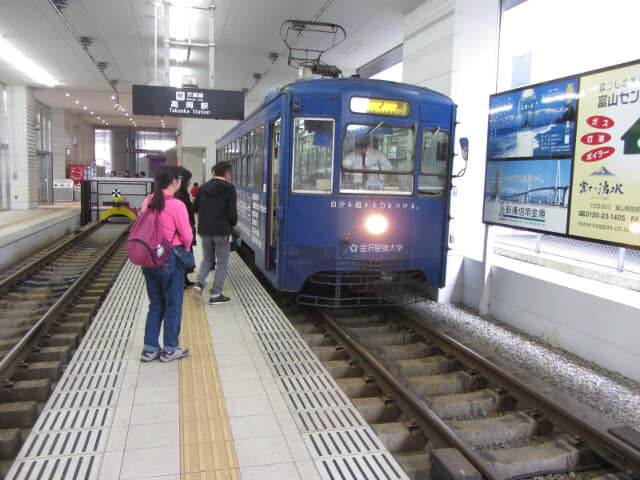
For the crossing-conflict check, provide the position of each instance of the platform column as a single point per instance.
(22, 148)
(58, 147)
(452, 46)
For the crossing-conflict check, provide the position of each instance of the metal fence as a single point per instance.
(623, 260)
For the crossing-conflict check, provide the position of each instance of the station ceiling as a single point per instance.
(120, 33)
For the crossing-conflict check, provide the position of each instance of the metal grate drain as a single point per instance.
(72, 432)
(340, 442)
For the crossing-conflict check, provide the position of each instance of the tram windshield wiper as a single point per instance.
(369, 133)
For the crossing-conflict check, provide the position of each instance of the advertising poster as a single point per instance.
(532, 194)
(535, 122)
(606, 167)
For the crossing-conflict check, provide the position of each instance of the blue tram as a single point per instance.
(344, 184)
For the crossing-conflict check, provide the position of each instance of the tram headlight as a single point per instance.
(376, 224)
(635, 227)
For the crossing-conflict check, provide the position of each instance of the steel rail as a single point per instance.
(31, 267)
(620, 454)
(432, 419)
(60, 305)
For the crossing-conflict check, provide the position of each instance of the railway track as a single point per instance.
(424, 394)
(45, 308)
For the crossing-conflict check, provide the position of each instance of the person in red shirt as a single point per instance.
(194, 190)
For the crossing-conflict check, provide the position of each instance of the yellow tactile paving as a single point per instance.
(206, 444)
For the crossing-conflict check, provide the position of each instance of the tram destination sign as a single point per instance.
(188, 102)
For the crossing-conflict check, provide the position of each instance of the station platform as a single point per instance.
(23, 232)
(251, 401)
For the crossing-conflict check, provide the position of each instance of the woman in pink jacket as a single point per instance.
(165, 284)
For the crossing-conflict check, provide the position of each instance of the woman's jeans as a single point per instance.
(165, 287)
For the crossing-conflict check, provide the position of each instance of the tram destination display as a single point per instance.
(564, 157)
(188, 102)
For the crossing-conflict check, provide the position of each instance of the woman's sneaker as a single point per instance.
(149, 356)
(175, 355)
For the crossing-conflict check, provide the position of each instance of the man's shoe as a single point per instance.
(219, 299)
(175, 355)
(149, 356)
(198, 286)
(188, 283)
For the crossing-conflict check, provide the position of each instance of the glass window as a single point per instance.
(377, 159)
(251, 162)
(313, 159)
(259, 171)
(102, 153)
(434, 164)
(251, 142)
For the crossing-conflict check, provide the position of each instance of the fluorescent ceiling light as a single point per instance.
(25, 65)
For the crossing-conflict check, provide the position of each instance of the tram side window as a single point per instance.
(251, 162)
(313, 155)
(259, 170)
(377, 158)
(435, 162)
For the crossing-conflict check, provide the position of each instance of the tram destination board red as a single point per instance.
(188, 102)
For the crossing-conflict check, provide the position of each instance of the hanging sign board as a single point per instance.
(564, 157)
(188, 102)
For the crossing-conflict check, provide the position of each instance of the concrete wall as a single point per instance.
(598, 322)
(59, 143)
(193, 159)
(72, 141)
(197, 133)
(451, 46)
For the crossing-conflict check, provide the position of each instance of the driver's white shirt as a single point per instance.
(374, 160)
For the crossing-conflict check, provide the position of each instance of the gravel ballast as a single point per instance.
(615, 396)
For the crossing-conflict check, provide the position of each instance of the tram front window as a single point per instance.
(313, 155)
(377, 159)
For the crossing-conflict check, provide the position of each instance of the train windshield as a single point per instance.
(377, 158)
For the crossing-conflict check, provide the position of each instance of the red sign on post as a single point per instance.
(77, 172)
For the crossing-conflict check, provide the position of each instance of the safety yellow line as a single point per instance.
(206, 444)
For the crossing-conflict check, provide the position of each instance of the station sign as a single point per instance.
(564, 157)
(188, 102)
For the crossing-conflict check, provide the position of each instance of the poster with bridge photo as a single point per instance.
(533, 122)
(531, 194)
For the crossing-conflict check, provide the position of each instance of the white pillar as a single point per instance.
(451, 46)
(58, 147)
(22, 148)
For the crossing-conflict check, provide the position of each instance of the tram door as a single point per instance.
(274, 197)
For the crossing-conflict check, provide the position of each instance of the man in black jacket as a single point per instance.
(217, 218)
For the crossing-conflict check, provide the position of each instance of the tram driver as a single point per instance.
(366, 158)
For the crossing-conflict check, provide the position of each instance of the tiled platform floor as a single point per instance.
(218, 414)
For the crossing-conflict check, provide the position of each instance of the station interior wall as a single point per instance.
(196, 133)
